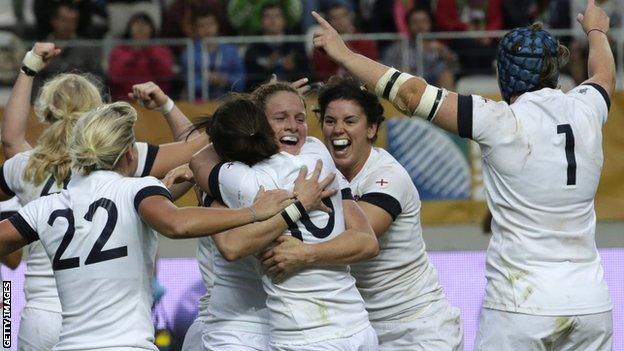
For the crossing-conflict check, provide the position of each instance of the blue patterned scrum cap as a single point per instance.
(520, 59)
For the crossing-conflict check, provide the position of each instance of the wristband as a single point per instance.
(33, 62)
(166, 108)
(292, 213)
(254, 217)
(596, 29)
(27, 71)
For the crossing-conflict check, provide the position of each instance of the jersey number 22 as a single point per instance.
(96, 254)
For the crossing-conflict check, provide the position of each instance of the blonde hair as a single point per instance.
(102, 136)
(61, 102)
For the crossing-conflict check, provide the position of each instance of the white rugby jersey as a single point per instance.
(205, 259)
(102, 255)
(317, 303)
(400, 281)
(39, 286)
(7, 209)
(542, 158)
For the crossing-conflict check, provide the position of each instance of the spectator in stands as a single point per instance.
(285, 59)
(341, 18)
(85, 58)
(246, 16)
(439, 61)
(578, 47)
(462, 15)
(552, 13)
(178, 17)
(385, 16)
(223, 66)
(133, 64)
(49, 11)
(477, 55)
(321, 6)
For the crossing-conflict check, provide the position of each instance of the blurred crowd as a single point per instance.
(179, 68)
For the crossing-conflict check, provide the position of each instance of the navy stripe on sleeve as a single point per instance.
(383, 201)
(152, 151)
(346, 194)
(3, 184)
(213, 183)
(6, 214)
(25, 230)
(602, 92)
(148, 191)
(208, 200)
(464, 116)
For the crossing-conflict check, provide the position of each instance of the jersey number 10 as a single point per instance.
(96, 254)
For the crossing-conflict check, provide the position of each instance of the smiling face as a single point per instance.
(348, 135)
(286, 114)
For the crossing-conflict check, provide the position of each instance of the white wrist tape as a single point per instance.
(166, 108)
(33, 61)
(430, 102)
(293, 212)
(388, 85)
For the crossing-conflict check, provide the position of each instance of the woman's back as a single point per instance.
(102, 256)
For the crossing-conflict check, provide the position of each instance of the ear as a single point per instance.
(130, 154)
(371, 131)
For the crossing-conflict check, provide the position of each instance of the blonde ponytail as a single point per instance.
(61, 102)
(102, 136)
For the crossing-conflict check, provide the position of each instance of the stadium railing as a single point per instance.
(187, 83)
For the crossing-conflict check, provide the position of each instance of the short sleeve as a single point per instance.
(11, 173)
(25, 220)
(594, 97)
(345, 187)
(146, 187)
(146, 155)
(233, 184)
(387, 189)
(483, 120)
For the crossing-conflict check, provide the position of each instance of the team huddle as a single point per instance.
(307, 244)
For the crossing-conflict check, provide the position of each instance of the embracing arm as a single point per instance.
(243, 241)
(357, 243)
(10, 238)
(174, 154)
(13, 259)
(188, 222)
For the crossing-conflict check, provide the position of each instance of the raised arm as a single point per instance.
(15, 119)
(600, 62)
(153, 98)
(410, 94)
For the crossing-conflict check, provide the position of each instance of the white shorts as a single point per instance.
(193, 337)
(39, 329)
(437, 328)
(366, 340)
(201, 336)
(500, 331)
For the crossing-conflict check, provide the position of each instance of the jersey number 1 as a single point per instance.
(96, 254)
(569, 151)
